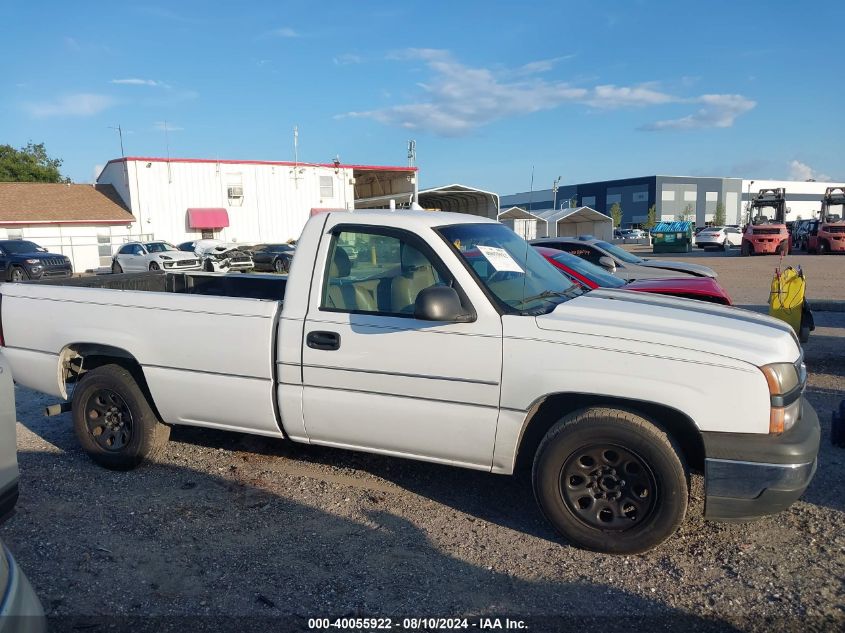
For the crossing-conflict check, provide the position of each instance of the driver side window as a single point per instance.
(376, 273)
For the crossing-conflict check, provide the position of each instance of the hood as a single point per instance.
(692, 285)
(684, 267)
(661, 325)
(214, 247)
(176, 255)
(38, 255)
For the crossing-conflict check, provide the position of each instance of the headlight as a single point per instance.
(32, 261)
(167, 257)
(785, 382)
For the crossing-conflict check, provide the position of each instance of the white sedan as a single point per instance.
(143, 256)
(723, 237)
(219, 256)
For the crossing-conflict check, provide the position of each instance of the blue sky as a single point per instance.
(581, 90)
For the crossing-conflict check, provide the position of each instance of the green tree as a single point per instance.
(651, 219)
(719, 219)
(29, 164)
(687, 216)
(616, 214)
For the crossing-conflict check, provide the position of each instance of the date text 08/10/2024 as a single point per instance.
(420, 623)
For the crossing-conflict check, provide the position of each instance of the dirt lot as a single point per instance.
(229, 525)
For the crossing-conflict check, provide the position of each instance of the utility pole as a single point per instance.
(531, 190)
(122, 153)
(554, 192)
(412, 153)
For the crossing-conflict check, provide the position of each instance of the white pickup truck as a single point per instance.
(444, 338)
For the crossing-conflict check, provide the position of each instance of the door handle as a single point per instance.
(328, 341)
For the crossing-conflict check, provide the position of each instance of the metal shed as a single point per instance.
(460, 199)
(528, 225)
(580, 221)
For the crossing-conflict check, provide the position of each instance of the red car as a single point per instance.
(590, 276)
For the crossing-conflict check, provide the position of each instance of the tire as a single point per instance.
(745, 249)
(154, 266)
(17, 274)
(208, 267)
(115, 268)
(279, 266)
(822, 248)
(589, 502)
(135, 433)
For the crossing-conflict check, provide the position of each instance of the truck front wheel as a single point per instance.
(611, 481)
(113, 420)
(745, 250)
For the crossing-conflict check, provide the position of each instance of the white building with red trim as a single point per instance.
(180, 199)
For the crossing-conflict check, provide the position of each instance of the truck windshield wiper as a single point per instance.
(546, 294)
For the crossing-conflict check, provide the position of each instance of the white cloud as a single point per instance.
(134, 81)
(457, 99)
(802, 171)
(346, 59)
(80, 104)
(161, 125)
(284, 31)
(716, 111)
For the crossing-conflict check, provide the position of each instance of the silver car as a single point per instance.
(20, 609)
(620, 262)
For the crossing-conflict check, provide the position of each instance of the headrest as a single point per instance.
(341, 266)
(413, 259)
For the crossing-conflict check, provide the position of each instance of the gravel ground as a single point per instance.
(228, 525)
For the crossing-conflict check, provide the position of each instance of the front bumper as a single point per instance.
(39, 272)
(20, 609)
(751, 475)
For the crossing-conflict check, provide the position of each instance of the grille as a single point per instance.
(836, 229)
(186, 262)
(53, 261)
(240, 258)
(766, 231)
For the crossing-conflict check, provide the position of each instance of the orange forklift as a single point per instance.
(766, 232)
(828, 234)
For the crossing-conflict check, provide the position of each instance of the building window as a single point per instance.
(104, 247)
(588, 201)
(640, 196)
(690, 196)
(326, 187)
(667, 195)
(613, 198)
(208, 234)
(712, 196)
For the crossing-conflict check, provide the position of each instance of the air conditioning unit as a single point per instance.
(235, 195)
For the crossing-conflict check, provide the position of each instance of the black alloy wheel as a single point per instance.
(109, 420)
(17, 275)
(608, 487)
(154, 266)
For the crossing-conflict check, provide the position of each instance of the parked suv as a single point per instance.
(21, 260)
(143, 256)
(20, 609)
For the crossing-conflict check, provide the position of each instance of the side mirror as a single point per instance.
(440, 303)
(607, 263)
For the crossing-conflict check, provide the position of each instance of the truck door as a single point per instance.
(375, 378)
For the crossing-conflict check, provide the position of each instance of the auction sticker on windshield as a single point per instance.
(500, 259)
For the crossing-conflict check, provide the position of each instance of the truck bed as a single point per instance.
(252, 286)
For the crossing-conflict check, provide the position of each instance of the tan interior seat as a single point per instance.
(346, 296)
(417, 274)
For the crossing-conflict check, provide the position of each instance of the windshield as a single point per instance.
(159, 247)
(18, 247)
(520, 279)
(594, 273)
(619, 253)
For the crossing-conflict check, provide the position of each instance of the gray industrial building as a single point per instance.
(674, 197)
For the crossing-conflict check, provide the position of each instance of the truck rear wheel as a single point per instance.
(113, 420)
(745, 250)
(611, 481)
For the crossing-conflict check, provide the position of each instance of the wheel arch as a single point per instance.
(546, 411)
(78, 358)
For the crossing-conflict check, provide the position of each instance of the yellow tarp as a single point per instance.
(787, 297)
